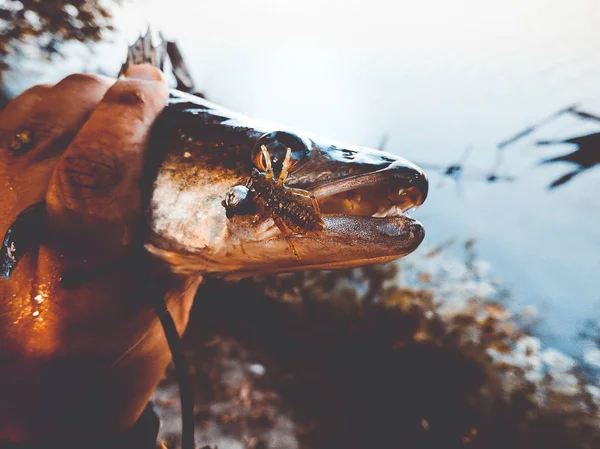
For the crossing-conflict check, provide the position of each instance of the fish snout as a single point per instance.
(410, 178)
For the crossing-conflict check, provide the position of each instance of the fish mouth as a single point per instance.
(389, 192)
(372, 208)
(365, 218)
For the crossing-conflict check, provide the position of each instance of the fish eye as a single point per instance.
(277, 144)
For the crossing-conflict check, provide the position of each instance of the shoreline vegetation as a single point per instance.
(419, 353)
(46, 26)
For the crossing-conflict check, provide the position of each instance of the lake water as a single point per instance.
(442, 80)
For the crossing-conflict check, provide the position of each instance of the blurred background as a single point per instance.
(499, 102)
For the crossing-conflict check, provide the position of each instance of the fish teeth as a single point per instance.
(393, 211)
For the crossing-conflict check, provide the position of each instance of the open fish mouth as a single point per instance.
(389, 192)
(373, 207)
(365, 218)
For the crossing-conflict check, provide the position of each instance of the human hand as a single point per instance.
(82, 358)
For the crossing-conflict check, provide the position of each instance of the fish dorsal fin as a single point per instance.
(143, 51)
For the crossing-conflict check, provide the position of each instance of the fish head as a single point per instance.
(204, 151)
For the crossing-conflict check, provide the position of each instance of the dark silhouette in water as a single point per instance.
(585, 157)
(527, 131)
(457, 173)
(456, 170)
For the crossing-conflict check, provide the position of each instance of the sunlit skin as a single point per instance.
(83, 358)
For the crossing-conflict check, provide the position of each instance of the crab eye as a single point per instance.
(277, 144)
(238, 201)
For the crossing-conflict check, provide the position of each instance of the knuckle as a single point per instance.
(24, 104)
(127, 94)
(30, 99)
(81, 80)
(38, 91)
(86, 175)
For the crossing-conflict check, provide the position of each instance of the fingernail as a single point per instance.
(144, 72)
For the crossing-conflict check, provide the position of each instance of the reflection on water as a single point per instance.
(587, 155)
(584, 158)
(459, 171)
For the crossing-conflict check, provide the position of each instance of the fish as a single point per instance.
(201, 151)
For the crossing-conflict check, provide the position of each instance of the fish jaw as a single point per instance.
(205, 150)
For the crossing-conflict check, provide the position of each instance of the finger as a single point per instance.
(36, 127)
(94, 199)
(41, 122)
